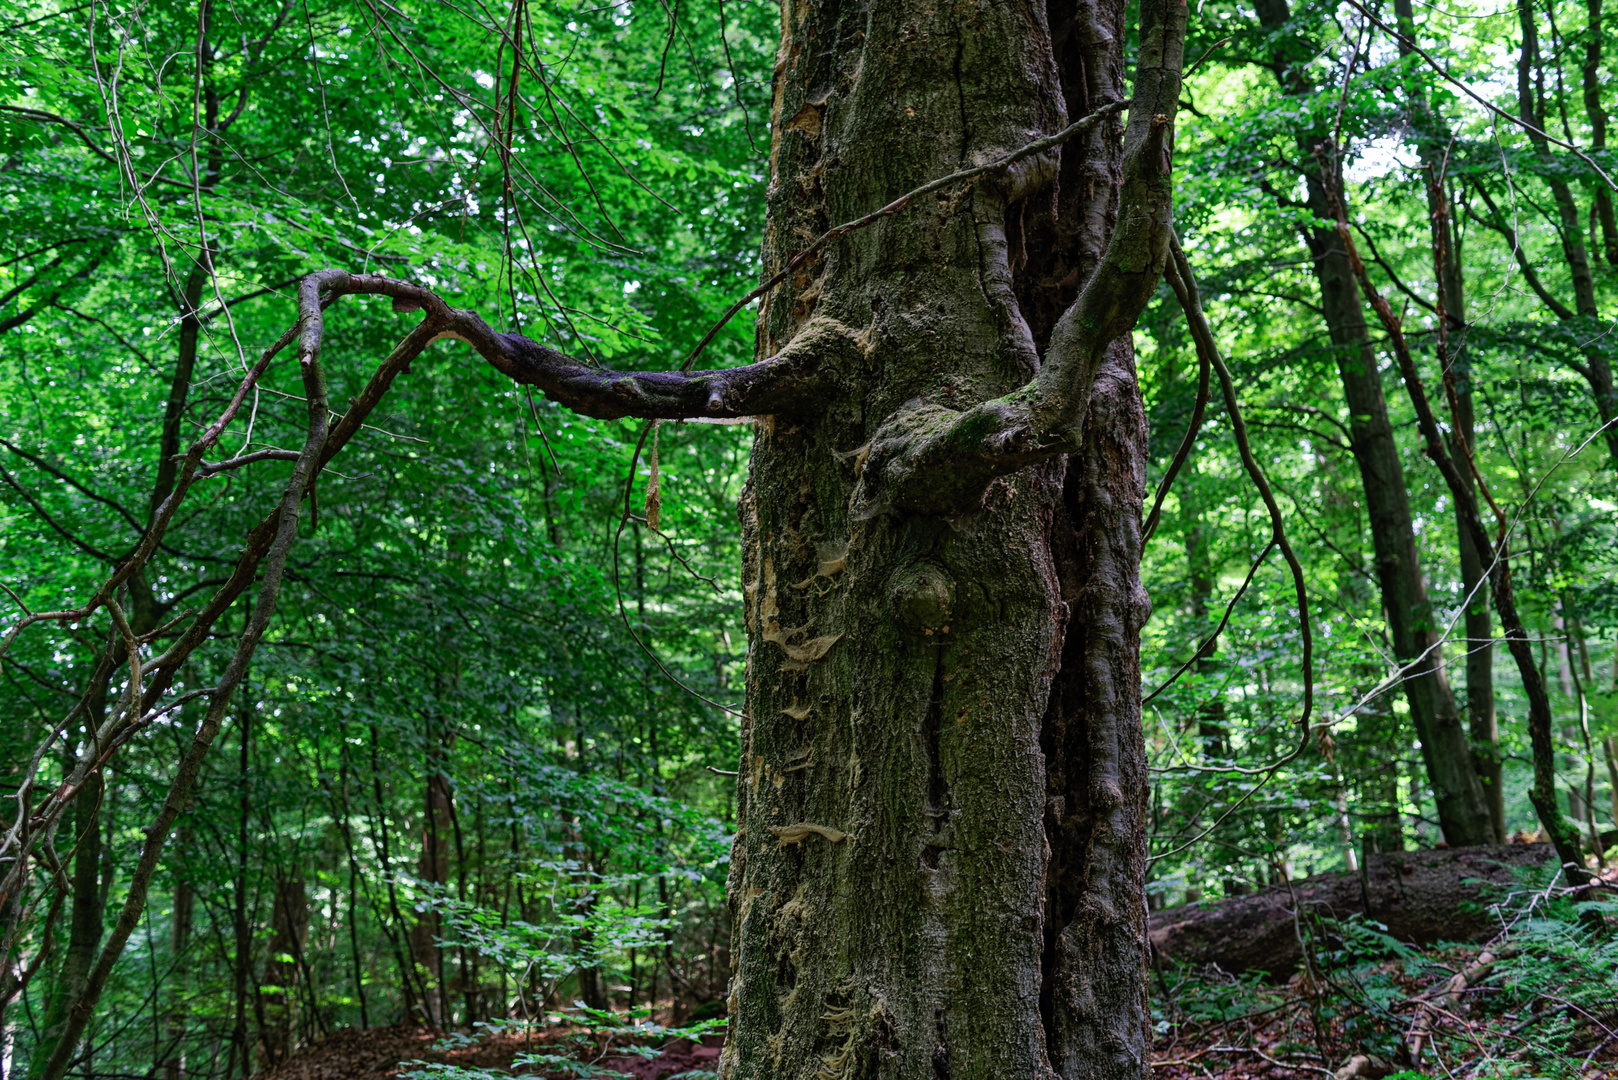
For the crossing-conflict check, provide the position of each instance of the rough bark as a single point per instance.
(1092, 1001)
(1412, 628)
(910, 605)
(942, 518)
(1421, 896)
(1095, 1000)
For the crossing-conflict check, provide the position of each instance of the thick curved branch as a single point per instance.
(796, 379)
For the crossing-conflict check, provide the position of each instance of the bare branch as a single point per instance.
(310, 329)
(1204, 370)
(63, 531)
(795, 379)
(1496, 223)
(1038, 146)
(211, 468)
(66, 479)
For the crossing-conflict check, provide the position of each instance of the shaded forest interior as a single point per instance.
(435, 773)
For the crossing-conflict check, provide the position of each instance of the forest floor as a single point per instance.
(1364, 1025)
(1218, 1028)
(386, 1053)
(1540, 1005)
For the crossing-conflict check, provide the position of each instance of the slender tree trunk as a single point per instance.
(1434, 141)
(1463, 809)
(1610, 745)
(414, 987)
(84, 927)
(239, 1050)
(278, 992)
(1412, 624)
(178, 988)
(1596, 113)
(1480, 709)
(345, 826)
(1543, 794)
(433, 867)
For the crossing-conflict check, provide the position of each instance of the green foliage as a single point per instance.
(447, 697)
(1541, 1011)
(453, 781)
(573, 1045)
(1243, 214)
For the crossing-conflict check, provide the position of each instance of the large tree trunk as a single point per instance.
(906, 764)
(942, 520)
(1463, 809)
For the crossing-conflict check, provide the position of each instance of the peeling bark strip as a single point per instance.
(797, 834)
